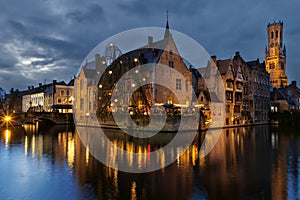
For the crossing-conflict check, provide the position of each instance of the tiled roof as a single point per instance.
(223, 65)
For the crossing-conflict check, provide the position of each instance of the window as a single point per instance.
(186, 85)
(171, 64)
(81, 84)
(272, 35)
(229, 84)
(62, 92)
(227, 108)
(178, 84)
(272, 66)
(68, 92)
(81, 104)
(276, 34)
(229, 96)
(239, 75)
(237, 109)
(59, 100)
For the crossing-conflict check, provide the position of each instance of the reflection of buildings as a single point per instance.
(253, 162)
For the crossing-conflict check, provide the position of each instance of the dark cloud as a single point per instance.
(49, 39)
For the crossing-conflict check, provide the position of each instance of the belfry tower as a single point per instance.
(275, 55)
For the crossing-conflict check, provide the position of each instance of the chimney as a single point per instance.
(54, 82)
(40, 84)
(29, 87)
(214, 58)
(150, 40)
(237, 53)
(32, 87)
(294, 84)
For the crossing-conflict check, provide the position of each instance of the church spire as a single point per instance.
(167, 30)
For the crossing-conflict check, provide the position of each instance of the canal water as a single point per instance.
(259, 162)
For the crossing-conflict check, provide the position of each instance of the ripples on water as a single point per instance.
(247, 163)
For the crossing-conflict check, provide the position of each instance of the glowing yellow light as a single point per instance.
(135, 59)
(100, 86)
(132, 85)
(7, 118)
(103, 62)
(110, 72)
(136, 71)
(131, 113)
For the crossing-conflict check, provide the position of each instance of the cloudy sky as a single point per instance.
(48, 39)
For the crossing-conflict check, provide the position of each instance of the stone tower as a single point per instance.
(275, 55)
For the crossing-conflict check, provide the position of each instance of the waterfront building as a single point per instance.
(247, 90)
(260, 85)
(163, 52)
(233, 93)
(59, 97)
(86, 84)
(275, 55)
(43, 98)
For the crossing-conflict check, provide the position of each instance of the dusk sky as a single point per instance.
(46, 40)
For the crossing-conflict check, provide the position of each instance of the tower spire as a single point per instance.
(167, 30)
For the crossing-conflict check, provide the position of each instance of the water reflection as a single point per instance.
(253, 162)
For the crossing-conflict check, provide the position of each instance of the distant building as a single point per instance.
(285, 99)
(275, 55)
(59, 97)
(43, 98)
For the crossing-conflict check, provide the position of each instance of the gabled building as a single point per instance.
(86, 84)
